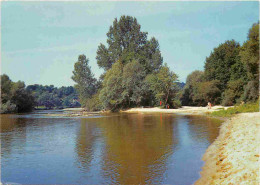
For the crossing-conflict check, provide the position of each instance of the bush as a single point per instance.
(176, 103)
(251, 93)
(94, 103)
(8, 107)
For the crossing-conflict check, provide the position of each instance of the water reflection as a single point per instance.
(136, 148)
(115, 149)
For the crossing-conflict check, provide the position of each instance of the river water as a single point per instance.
(132, 148)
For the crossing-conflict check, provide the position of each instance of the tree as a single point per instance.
(208, 91)
(250, 57)
(220, 61)
(14, 96)
(86, 83)
(133, 83)
(6, 86)
(163, 84)
(126, 42)
(112, 89)
(23, 100)
(234, 92)
(50, 96)
(188, 93)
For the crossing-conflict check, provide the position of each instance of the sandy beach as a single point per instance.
(233, 158)
(183, 109)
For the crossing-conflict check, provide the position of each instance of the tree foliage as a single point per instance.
(14, 96)
(126, 42)
(163, 84)
(112, 89)
(6, 88)
(231, 74)
(127, 59)
(190, 89)
(133, 83)
(220, 61)
(250, 57)
(50, 96)
(86, 84)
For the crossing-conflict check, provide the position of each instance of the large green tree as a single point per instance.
(220, 61)
(163, 84)
(250, 57)
(86, 83)
(127, 42)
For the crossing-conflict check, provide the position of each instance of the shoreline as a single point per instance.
(233, 158)
(187, 110)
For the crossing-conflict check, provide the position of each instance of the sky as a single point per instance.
(41, 41)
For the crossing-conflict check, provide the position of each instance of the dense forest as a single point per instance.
(135, 75)
(16, 97)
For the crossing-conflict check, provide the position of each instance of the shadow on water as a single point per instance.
(138, 148)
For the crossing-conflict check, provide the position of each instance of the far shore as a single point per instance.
(81, 112)
(183, 109)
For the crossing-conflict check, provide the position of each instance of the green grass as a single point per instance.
(249, 107)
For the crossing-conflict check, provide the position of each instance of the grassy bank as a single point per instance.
(249, 107)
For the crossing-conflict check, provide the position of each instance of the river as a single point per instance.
(119, 148)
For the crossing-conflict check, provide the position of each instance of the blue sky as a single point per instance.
(41, 41)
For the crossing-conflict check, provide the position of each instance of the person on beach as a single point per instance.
(209, 105)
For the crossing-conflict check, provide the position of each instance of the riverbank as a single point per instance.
(79, 112)
(233, 158)
(183, 109)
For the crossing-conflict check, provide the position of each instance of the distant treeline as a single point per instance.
(16, 97)
(50, 96)
(134, 73)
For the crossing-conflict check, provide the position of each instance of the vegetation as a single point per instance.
(48, 97)
(14, 96)
(134, 75)
(249, 107)
(86, 84)
(230, 76)
(127, 42)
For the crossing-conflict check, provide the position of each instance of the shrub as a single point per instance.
(8, 107)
